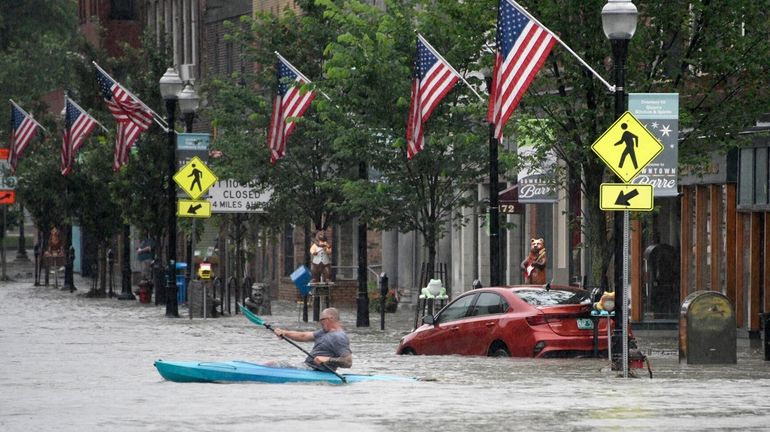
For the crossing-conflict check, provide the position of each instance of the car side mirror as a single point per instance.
(428, 319)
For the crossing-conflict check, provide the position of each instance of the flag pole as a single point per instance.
(158, 119)
(28, 116)
(89, 115)
(296, 71)
(441, 58)
(599, 77)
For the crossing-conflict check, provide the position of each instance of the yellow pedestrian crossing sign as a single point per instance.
(195, 178)
(626, 196)
(193, 208)
(627, 147)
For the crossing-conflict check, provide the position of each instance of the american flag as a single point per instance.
(131, 115)
(23, 129)
(433, 78)
(522, 47)
(288, 102)
(77, 125)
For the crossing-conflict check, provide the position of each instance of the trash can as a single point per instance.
(181, 282)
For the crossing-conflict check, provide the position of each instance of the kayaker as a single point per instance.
(331, 347)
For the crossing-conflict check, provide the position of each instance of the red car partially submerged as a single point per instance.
(517, 321)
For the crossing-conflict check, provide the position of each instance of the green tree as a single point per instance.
(304, 181)
(369, 70)
(36, 38)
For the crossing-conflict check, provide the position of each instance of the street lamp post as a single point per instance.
(619, 18)
(125, 265)
(188, 104)
(170, 86)
(21, 254)
(494, 210)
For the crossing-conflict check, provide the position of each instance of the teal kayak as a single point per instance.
(241, 371)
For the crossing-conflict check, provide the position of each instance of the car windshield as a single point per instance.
(552, 297)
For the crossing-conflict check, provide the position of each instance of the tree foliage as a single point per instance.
(360, 58)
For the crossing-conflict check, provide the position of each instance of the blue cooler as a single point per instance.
(181, 282)
(301, 277)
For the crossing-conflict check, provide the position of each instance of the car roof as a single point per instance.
(514, 288)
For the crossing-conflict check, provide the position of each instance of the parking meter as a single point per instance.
(383, 285)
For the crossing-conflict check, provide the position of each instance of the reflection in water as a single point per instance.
(77, 364)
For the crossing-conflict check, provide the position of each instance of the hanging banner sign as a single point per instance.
(660, 114)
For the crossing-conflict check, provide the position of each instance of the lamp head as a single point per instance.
(188, 100)
(170, 84)
(619, 19)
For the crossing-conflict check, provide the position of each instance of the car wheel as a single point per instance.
(499, 350)
(408, 351)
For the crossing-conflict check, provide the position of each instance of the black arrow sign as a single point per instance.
(623, 199)
(4, 196)
(193, 209)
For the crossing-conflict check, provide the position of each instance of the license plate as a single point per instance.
(585, 323)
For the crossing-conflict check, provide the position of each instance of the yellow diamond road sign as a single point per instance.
(195, 178)
(192, 208)
(625, 196)
(627, 147)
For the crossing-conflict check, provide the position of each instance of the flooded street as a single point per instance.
(72, 363)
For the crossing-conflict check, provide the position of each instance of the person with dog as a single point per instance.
(331, 346)
(320, 252)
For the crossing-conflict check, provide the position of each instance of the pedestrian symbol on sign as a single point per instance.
(196, 175)
(631, 141)
(202, 178)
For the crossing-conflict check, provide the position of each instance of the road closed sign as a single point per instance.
(229, 196)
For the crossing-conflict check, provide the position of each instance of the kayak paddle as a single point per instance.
(259, 321)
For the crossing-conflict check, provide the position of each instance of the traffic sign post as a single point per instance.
(195, 178)
(626, 148)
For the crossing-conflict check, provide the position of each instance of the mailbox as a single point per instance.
(707, 332)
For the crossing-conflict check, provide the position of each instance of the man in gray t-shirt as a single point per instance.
(331, 348)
